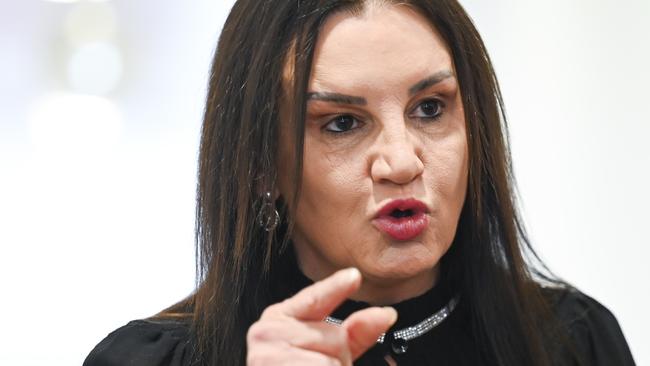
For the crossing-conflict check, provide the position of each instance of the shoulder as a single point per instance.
(144, 343)
(592, 327)
(574, 307)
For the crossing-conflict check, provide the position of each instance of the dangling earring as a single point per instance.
(268, 217)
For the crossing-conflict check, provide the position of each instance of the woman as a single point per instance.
(364, 134)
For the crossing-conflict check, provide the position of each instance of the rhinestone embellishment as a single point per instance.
(401, 336)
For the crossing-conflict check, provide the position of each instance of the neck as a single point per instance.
(386, 289)
(381, 291)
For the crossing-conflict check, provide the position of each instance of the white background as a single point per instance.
(97, 169)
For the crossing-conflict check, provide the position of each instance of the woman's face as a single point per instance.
(385, 154)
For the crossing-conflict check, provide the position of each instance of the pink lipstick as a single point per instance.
(402, 219)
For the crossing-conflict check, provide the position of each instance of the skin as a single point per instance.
(393, 148)
(293, 331)
(391, 151)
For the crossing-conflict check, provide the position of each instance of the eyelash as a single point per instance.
(439, 110)
(335, 119)
(437, 116)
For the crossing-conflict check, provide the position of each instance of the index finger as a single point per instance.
(320, 299)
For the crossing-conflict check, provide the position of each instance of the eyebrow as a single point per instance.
(354, 100)
(337, 98)
(430, 81)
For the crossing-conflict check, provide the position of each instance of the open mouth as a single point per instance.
(398, 214)
(402, 219)
(402, 208)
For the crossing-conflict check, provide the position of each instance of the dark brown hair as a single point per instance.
(490, 262)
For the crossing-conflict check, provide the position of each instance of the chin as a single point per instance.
(402, 266)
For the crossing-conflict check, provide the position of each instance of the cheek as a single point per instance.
(333, 184)
(332, 205)
(450, 155)
(447, 173)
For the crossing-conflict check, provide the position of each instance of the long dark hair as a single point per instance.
(490, 262)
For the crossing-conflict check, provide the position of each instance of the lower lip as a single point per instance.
(403, 228)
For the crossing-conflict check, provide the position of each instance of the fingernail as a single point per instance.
(352, 274)
(392, 312)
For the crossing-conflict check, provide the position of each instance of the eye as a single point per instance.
(428, 109)
(342, 123)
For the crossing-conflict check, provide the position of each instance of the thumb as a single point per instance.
(365, 326)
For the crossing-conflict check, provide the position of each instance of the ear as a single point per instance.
(261, 188)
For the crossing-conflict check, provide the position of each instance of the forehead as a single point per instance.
(385, 46)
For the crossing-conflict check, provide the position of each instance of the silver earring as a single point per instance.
(268, 217)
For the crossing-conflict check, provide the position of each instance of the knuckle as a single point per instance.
(333, 362)
(259, 332)
(271, 311)
(256, 359)
(310, 301)
(266, 354)
(340, 338)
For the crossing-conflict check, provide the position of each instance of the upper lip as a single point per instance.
(402, 205)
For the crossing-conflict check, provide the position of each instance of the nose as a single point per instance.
(398, 157)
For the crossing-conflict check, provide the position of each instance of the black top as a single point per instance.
(593, 329)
